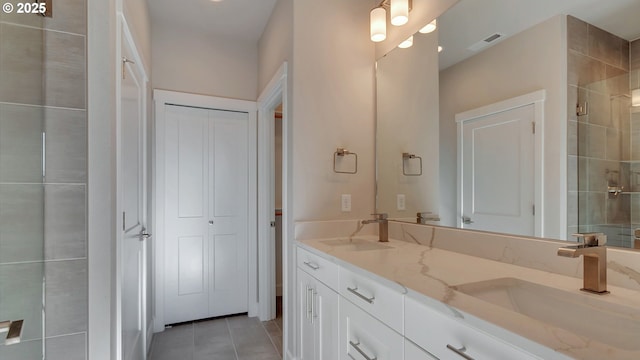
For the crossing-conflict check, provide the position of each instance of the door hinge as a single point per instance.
(273, 224)
(533, 127)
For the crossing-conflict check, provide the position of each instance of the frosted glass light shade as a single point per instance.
(635, 97)
(378, 24)
(407, 43)
(430, 27)
(399, 12)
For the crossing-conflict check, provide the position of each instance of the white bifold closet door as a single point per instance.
(206, 169)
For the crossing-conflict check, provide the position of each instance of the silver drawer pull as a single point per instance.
(355, 292)
(357, 347)
(312, 265)
(460, 351)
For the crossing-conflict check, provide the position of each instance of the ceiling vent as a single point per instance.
(489, 40)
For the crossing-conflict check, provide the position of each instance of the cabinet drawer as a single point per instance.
(363, 337)
(414, 352)
(383, 303)
(319, 267)
(442, 336)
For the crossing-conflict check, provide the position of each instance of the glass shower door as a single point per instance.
(22, 190)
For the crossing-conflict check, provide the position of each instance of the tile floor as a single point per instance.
(230, 338)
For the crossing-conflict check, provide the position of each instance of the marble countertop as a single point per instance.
(429, 274)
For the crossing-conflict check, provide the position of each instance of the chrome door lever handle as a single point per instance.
(144, 235)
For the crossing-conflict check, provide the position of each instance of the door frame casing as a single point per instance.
(273, 94)
(536, 99)
(165, 97)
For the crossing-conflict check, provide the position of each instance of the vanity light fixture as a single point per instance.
(378, 24)
(635, 97)
(399, 12)
(407, 43)
(430, 27)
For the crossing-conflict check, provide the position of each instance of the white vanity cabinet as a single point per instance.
(448, 338)
(362, 337)
(318, 317)
(345, 314)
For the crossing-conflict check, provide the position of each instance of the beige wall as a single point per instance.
(190, 62)
(276, 43)
(333, 106)
(532, 60)
(330, 104)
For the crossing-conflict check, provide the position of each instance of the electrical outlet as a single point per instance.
(400, 202)
(346, 202)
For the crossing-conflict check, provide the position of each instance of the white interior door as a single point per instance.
(228, 181)
(498, 166)
(132, 200)
(206, 195)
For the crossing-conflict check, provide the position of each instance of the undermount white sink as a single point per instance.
(582, 314)
(356, 244)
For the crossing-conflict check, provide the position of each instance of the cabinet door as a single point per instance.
(326, 320)
(306, 331)
(362, 337)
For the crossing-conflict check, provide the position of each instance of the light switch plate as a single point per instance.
(400, 202)
(346, 202)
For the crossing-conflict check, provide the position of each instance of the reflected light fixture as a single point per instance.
(399, 12)
(439, 48)
(430, 27)
(407, 43)
(635, 97)
(378, 20)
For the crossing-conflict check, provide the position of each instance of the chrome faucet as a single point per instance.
(383, 226)
(595, 260)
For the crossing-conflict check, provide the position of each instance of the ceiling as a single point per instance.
(466, 23)
(470, 21)
(242, 20)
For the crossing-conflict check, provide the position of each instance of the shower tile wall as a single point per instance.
(599, 140)
(43, 88)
